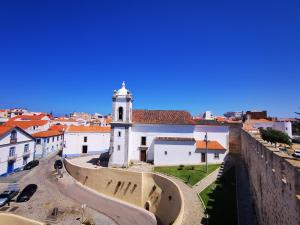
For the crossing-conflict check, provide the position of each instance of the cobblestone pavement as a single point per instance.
(47, 197)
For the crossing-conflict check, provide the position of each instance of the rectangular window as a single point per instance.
(119, 133)
(12, 151)
(57, 138)
(216, 155)
(143, 141)
(166, 153)
(26, 148)
(85, 139)
(38, 141)
(190, 153)
(47, 140)
(52, 139)
(119, 147)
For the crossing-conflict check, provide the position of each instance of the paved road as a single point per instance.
(121, 212)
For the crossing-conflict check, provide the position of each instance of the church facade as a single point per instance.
(164, 137)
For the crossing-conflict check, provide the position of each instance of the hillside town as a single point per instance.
(132, 141)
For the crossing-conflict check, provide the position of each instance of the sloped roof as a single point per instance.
(211, 145)
(48, 133)
(173, 117)
(88, 129)
(29, 117)
(26, 124)
(57, 127)
(5, 129)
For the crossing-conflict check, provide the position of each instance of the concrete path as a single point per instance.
(204, 183)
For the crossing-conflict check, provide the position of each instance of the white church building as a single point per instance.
(164, 137)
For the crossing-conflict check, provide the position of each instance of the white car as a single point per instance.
(297, 153)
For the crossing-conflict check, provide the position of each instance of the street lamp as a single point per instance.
(206, 148)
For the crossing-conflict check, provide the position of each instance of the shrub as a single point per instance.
(274, 136)
(180, 167)
(190, 167)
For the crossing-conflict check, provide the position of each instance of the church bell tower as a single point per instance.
(120, 127)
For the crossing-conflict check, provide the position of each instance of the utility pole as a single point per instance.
(206, 148)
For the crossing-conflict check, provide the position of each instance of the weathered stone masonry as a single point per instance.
(275, 182)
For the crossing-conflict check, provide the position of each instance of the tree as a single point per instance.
(275, 136)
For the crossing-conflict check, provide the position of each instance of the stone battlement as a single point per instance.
(275, 181)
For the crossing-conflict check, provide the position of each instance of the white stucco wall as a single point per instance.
(217, 133)
(46, 148)
(285, 127)
(96, 142)
(37, 129)
(5, 145)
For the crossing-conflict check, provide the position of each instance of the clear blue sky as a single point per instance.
(197, 55)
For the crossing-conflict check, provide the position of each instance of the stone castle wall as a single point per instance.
(275, 182)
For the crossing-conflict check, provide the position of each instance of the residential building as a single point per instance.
(16, 149)
(81, 140)
(48, 142)
(165, 137)
(65, 121)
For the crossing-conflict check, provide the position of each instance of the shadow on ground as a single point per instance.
(221, 206)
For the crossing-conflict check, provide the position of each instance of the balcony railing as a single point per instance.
(12, 158)
(13, 141)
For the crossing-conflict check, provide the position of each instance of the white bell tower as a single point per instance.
(121, 127)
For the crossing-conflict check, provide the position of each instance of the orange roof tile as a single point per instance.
(5, 129)
(60, 127)
(64, 120)
(48, 133)
(162, 117)
(26, 124)
(29, 117)
(211, 145)
(88, 129)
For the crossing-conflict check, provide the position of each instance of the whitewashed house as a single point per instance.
(65, 121)
(165, 137)
(16, 149)
(48, 142)
(82, 140)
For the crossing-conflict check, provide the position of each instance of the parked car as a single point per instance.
(58, 164)
(297, 154)
(31, 165)
(27, 193)
(7, 196)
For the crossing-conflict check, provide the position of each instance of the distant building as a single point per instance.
(16, 149)
(285, 127)
(65, 121)
(234, 115)
(82, 140)
(256, 115)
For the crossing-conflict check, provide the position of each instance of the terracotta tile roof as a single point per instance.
(88, 129)
(161, 117)
(5, 129)
(48, 133)
(211, 145)
(261, 121)
(175, 139)
(60, 128)
(26, 124)
(28, 117)
(63, 119)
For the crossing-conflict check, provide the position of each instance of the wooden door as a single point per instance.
(143, 155)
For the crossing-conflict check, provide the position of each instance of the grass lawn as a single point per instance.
(189, 174)
(220, 200)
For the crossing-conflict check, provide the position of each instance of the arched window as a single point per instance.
(121, 113)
